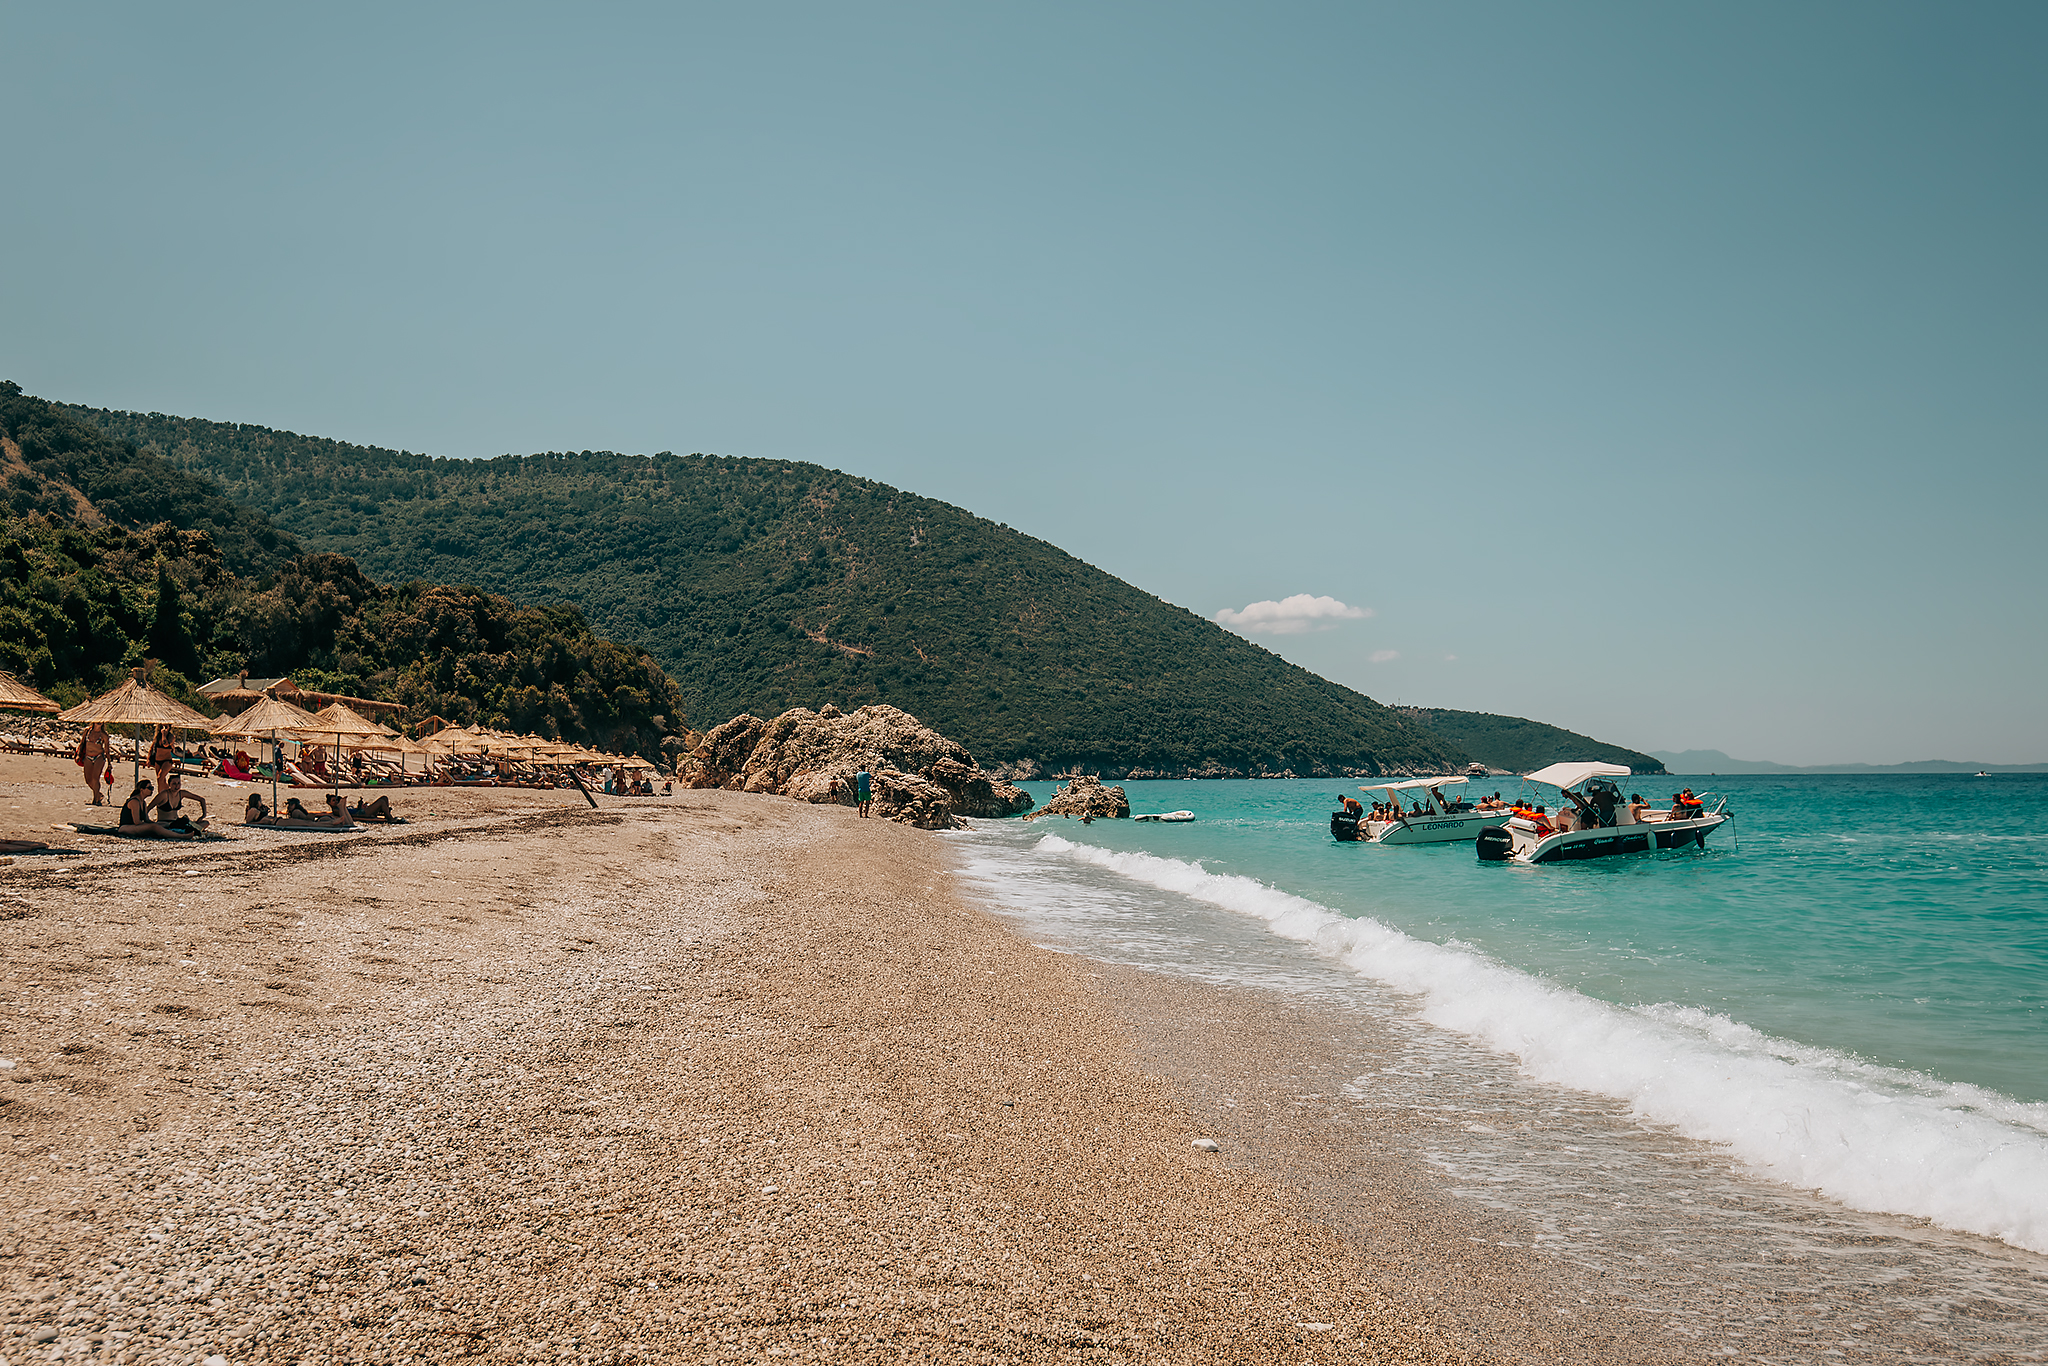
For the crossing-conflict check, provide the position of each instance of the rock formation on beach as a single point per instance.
(1087, 798)
(920, 777)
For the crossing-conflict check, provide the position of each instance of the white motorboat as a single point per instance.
(1167, 817)
(1598, 822)
(1433, 817)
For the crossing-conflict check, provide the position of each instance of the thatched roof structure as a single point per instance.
(335, 719)
(135, 703)
(269, 716)
(18, 696)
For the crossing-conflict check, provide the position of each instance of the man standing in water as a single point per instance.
(861, 791)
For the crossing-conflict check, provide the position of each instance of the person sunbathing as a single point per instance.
(379, 810)
(170, 804)
(255, 813)
(135, 817)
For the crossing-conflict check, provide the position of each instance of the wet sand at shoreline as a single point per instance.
(716, 1077)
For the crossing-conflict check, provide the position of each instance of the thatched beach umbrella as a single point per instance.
(272, 717)
(336, 720)
(137, 704)
(18, 696)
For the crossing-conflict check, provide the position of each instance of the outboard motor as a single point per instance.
(1343, 826)
(1496, 845)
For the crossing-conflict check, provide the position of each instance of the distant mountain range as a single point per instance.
(1713, 761)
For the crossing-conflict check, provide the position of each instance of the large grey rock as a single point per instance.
(920, 777)
(1087, 798)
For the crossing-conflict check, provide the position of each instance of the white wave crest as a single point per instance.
(1871, 1137)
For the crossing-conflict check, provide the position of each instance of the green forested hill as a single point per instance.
(764, 584)
(1520, 745)
(157, 563)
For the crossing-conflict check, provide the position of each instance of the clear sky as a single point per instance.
(1675, 374)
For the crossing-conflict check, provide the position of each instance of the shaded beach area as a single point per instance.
(713, 1077)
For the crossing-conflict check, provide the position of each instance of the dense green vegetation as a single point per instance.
(85, 596)
(57, 465)
(766, 584)
(1520, 745)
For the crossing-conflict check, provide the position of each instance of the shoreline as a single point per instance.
(717, 1077)
(704, 1078)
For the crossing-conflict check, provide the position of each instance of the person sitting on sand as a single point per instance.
(174, 797)
(295, 810)
(135, 817)
(93, 752)
(379, 810)
(255, 813)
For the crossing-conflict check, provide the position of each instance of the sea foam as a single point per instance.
(1874, 1138)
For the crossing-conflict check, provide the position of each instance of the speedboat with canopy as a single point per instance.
(1437, 813)
(1598, 821)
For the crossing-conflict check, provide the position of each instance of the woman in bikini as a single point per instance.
(93, 752)
(163, 754)
(135, 817)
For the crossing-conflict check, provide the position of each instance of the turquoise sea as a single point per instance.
(1846, 990)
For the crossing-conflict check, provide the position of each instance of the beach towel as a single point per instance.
(129, 832)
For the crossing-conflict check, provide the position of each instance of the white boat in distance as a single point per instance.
(1167, 817)
(1600, 826)
(1441, 819)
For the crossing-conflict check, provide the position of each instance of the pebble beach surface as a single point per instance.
(714, 1077)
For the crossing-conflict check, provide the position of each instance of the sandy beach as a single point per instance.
(713, 1077)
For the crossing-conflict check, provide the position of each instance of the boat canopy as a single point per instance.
(1572, 774)
(1404, 785)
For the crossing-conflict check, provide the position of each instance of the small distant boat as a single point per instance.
(1980, 773)
(1167, 817)
(1477, 770)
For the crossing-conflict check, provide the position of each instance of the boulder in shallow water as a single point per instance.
(1087, 798)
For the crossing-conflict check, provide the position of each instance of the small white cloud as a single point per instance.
(1382, 656)
(1290, 616)
(1450, 659)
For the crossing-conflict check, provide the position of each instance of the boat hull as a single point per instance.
(1528, 846)
(1438, 829)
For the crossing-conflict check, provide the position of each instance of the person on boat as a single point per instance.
(1540, 820)
(1693, 805)
(1352, 807)
(135, 816)
(94, 750)
(1638, 809)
